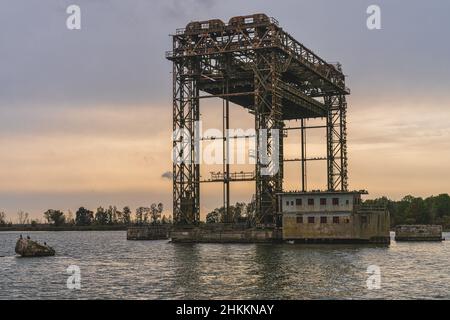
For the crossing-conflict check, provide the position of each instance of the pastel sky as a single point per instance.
(85, 116)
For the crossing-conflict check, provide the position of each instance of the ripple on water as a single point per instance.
(112, 267)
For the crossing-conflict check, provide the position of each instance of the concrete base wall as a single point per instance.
(380, 240)
(418, 233)
(358, 227)
(148, 232)
(217, 235)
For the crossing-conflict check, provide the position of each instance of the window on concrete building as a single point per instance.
(311, 220)
(323, 219)
(335, 201)
(335, 219)
(299, 219)
(310, 202)
(298, 202)
(292, 203)
(287, 203)
(323, 201)
(347, 202)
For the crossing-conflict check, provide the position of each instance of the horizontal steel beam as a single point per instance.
(307, 159)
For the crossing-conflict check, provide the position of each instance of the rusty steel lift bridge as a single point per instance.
(252, 62)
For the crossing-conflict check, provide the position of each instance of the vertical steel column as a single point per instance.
(226, 154)
(337, 143)
(196, 139)
(186, 167)
(303, 154)
(268, 117)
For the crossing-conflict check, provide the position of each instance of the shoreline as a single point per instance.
(65, 228)
(83, 228)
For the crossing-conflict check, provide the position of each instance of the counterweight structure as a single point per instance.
(252, 62)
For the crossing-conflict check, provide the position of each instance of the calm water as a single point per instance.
(112, 267)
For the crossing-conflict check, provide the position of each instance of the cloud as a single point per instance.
(187, 8)
(167, 175)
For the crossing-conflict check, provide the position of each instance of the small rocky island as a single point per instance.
(30, 248)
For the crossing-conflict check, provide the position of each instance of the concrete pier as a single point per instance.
(418, 233)
(157, 232)
(218, 233)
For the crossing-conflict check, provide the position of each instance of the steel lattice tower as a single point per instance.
(252, 62)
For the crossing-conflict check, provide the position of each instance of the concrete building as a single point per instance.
(331, 217)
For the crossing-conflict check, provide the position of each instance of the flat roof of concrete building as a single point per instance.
(322, 192)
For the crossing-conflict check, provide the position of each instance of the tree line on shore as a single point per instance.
(417, 210)
(238, 213)
(408, 210)
(101, 217)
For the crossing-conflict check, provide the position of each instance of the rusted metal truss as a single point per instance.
(252, 62)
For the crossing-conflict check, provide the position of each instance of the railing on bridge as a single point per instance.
(232, 176)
